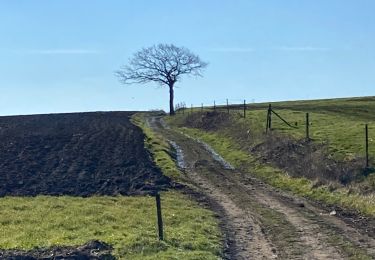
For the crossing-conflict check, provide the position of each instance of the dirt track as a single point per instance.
(260, 222)
(78, 154)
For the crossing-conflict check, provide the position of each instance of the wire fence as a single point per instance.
(243, 107)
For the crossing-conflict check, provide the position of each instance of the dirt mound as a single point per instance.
(77, 154)
(91, 250)
(308, 159)
(209, 120)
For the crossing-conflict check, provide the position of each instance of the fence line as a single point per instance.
(243, 107)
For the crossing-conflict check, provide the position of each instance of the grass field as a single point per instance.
(338, 122)
(127, 223)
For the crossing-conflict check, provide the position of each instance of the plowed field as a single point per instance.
(79, 154)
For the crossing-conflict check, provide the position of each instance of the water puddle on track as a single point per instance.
(179, 155)
(214, 154)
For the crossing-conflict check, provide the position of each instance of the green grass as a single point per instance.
(159, 148)
(361, 107)
(344, 136)
(338, 122)
(128, 223)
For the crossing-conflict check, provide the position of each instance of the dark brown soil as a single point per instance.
(210, 120)
(78, 154)
(306, 158)
(91, 250)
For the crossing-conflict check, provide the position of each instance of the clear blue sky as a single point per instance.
(59, 56)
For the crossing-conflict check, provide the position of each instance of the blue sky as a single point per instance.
(59, 56)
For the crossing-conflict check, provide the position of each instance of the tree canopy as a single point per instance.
(163, 64)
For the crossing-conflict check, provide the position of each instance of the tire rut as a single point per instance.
(248, 239)
(316, 216)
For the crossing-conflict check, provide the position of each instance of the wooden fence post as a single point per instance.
(367, 160)
(244, 108)
(214, 106)
(270, 116)
(191, 109)
(307, 126)
(202, 108)
(160, 218)
(227, 106)
(268, 124)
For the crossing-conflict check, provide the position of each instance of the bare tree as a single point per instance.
(163, 64)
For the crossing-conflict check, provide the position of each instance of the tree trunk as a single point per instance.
(171, 96)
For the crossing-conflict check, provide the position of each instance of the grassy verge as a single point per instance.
(161, 151)
(221, 140)
(127, 223)
(159, 148)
